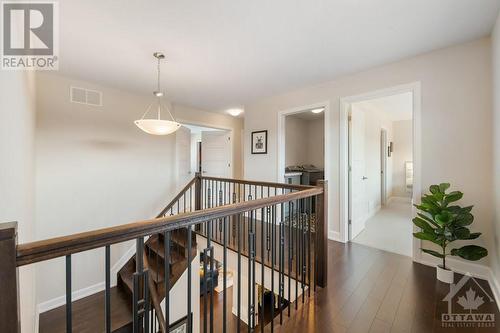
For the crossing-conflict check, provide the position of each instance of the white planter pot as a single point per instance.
(444, 275)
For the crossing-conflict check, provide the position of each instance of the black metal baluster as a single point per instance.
(249, 275)
(296, 221)
(69, 315)
(107, 295)
(281, 259)
(262, 267)
(189, 278)
(224, 283)
(303, 251)
(273, 252)
(309, 212)
(238, 305)
(205, 295)
(290, 252)
(166, 248)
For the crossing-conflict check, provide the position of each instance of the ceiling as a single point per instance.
(198, 129)
(226, 53)
(308, 115)
(396, 107)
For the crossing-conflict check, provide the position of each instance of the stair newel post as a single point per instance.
(197, 191)
(321, 255)
(9, 286)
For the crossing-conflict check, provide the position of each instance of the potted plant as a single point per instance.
(442, 223)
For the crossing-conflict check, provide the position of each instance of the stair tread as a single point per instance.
(158, 247)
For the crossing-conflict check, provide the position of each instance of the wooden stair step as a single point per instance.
(158, 247)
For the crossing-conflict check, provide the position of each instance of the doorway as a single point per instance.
(380, 151)
(202, 149)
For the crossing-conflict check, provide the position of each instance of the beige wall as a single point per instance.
(456, 99)
(296, 131)
(402, 138)
(495, 251)
(316, 142)
(17, 127)
(304, 141)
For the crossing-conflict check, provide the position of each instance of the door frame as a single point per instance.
(328, 146)
(223, 128)
(345, 102)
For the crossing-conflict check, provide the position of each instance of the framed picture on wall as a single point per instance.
(180, 326)
(259, 142)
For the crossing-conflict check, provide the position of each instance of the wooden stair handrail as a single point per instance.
(33, 252)
(176, 198)
(260, 183)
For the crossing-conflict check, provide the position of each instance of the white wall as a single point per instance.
(295, 141)
(402, 152)
(17, 127)
(316, 142)
(495, 251)
(456, 99)
(304, 141)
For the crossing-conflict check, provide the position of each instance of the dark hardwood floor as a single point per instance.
(370, 290)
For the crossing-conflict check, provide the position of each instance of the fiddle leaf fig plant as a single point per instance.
(442, 222)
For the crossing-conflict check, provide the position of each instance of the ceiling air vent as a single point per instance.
(85, 96)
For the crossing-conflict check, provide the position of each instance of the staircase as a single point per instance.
(237, 216)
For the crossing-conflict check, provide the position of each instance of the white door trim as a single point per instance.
(280, 148)
(415, 89)
(224, 128)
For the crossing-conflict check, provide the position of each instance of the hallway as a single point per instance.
(390, 229)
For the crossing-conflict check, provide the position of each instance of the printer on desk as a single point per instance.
(310, 174)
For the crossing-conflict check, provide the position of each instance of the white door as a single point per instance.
(183, 156)
(358, 200)
(216, 154)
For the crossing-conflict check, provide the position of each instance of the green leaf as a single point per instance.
(443, 219)
(474, 235)
(428, 219)
(453, 196)
(443, 187)
(434, 253)
(422, 224)
(434, 189)
(470, 252)
(462, 233)
(464, 219)
(424, 236)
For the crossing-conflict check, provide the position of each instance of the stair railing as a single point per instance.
(276, 228)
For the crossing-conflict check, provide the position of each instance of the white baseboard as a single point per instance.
(75, 295)
(463, 267)
(120, 263)
(335, 235)
(399, 199)
(495, 286)
(459, 266)
(87, 291)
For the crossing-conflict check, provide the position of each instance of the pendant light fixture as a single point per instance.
(158, 126)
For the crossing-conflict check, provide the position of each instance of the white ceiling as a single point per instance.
(396, 107)
(226, 53)
(198, 129)
(308, 115)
